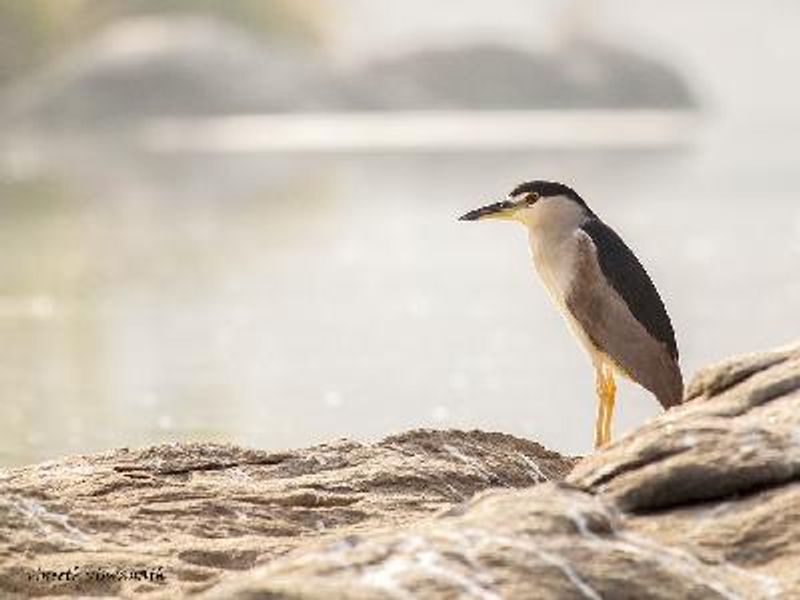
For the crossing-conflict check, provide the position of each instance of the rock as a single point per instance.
(702, 502)
(198, 511)
(743, 437)
(150, 67)
(146, 68)
(583, 74)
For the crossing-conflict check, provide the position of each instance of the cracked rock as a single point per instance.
(199, 511)
(702, 502)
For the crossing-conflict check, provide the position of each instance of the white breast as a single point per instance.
(556, 264)
(555, 234)
(552, 224)
(555, 261)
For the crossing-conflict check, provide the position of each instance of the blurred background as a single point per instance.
(235, 220)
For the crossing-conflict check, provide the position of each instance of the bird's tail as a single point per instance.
(670, 392)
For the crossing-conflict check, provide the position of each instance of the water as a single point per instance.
(282, 300)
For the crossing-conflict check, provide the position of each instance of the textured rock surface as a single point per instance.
(198, 511)
(703, 502)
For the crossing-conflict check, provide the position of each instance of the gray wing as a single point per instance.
(616, 327)
(630, 280)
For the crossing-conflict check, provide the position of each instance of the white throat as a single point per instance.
(556, 216)
(552, 224)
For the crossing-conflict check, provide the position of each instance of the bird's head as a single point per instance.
(532, 203)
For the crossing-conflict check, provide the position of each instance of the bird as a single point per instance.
(600, 287)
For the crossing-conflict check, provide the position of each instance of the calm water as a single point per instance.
(280, 301)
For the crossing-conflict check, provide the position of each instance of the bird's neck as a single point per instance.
(558, 217)
(551, 230)
(554, 222)
(554, 255)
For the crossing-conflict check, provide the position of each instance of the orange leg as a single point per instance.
(611, 398)
(601, 408)
(606, 389)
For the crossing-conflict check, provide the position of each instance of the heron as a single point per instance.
(600, 287)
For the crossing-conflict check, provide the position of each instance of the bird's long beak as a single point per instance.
(498, 210)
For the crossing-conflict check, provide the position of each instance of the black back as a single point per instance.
(631, 281)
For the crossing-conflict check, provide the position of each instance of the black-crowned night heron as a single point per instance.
(601, 289)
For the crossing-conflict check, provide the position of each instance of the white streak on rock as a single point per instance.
(584, 588)
(44, 520)
(535, 469)
(468, 460)
(416, 556)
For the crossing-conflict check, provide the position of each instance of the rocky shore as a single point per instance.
(703, 502)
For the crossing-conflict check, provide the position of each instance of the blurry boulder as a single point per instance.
(165, 66)
(158, 67)
(578, 75)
